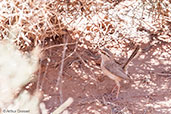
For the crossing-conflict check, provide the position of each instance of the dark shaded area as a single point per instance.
(83, 80)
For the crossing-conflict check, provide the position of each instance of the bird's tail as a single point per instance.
(135, 52)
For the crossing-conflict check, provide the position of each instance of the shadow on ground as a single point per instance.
(149, 91)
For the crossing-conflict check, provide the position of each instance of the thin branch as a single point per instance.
(62, 107)
(69, 54)
(58, 45)
(59, 84)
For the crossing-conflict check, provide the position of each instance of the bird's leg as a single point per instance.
(118, 90)
(113, 88)
(117, 94)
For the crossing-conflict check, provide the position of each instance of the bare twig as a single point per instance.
(164, 74)
(82, 60)
(69, 54)
(61, 108)
(58, 45)
(38, 78)
(59, 84)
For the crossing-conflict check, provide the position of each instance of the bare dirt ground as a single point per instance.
(149, 92)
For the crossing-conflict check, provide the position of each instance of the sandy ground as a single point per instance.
(149, 91)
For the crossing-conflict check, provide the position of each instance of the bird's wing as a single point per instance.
(115, 69)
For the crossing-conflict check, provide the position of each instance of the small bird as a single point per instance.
(114, 70)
